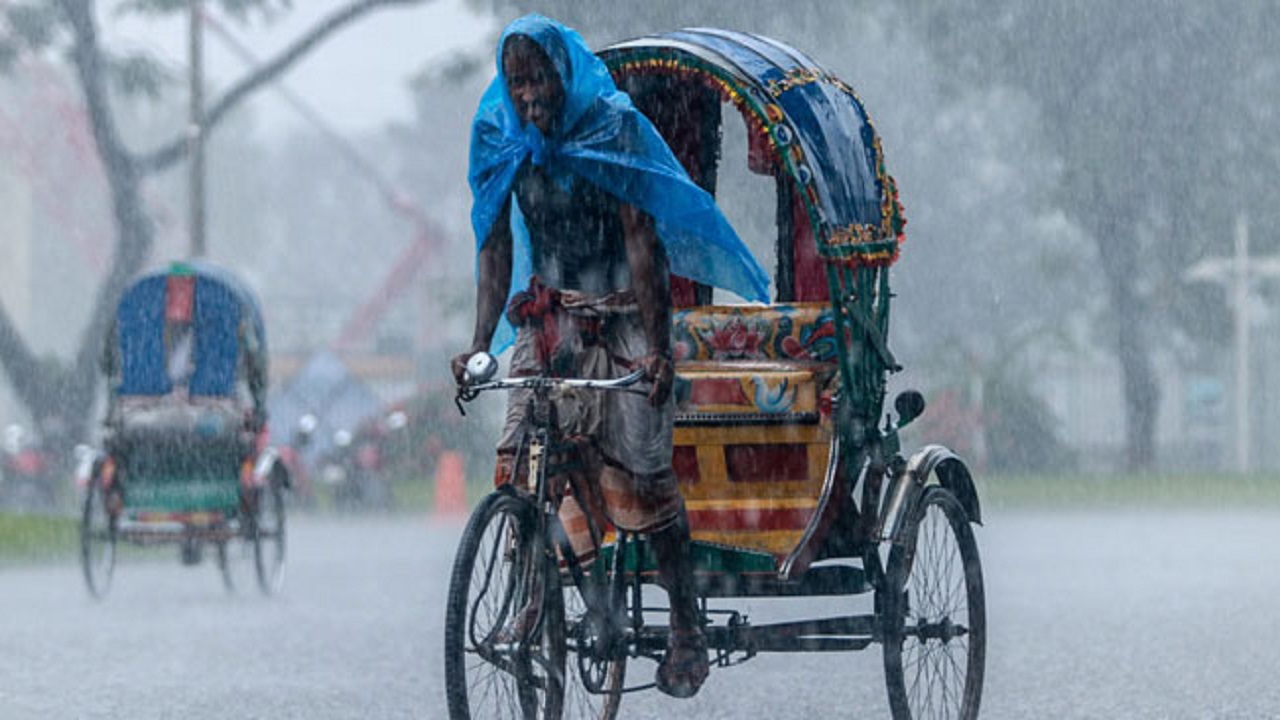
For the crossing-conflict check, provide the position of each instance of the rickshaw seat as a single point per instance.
(144, 415)
(752, 423)
(794, 332)
(178, 454)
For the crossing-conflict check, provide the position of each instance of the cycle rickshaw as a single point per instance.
(184, 459)
(792, 474)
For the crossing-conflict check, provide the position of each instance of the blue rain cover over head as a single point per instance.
(601, 137)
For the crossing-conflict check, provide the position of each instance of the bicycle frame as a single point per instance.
(605, 602)
(613, 629)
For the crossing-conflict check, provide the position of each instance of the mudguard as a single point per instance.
(89, 461)
(951, 472)
(270, 465)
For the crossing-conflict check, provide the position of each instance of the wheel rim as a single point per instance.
(236, 559)
(937, 647)
(504, 679)
(269, 541)
(97, 542)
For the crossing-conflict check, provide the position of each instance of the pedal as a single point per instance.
(731, 639)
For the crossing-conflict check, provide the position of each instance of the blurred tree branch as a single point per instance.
(58, 395)
(177, 148)
(1154, 110)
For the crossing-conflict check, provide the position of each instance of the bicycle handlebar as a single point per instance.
(484, 367)
(534, 382)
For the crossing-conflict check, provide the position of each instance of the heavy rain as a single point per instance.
(998, 440)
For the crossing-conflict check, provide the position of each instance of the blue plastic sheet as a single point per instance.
(602, 138)
(226, 322)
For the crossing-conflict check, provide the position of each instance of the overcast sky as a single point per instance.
(356, 79)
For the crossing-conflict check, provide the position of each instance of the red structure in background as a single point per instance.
(31, 161)
(427, 236)
(28, 157)
(451, 486)
(71, 129)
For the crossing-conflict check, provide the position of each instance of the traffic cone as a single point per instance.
(451, 485)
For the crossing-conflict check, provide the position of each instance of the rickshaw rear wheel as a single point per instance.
(232, 564)
(934, 614)
(97, 540)
(493, 666)
(269, 537)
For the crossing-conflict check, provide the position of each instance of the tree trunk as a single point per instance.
(1130, 317)
(59, 396)
(1141, 391)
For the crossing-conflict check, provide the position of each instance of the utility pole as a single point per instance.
(1240, 287)
(1238, 273)
(195, 131)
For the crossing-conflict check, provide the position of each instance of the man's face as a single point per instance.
(532, 82)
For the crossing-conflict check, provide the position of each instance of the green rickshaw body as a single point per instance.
(188, 375)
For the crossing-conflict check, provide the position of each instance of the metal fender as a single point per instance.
(951, 472)
(88, 462)
(268, 465)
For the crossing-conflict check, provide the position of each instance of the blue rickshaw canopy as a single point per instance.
(812, 122)
(223, 315)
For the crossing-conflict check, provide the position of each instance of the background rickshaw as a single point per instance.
(184, 458)
(792, 473)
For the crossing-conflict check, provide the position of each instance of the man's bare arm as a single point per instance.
(651, 282)
(494, 281)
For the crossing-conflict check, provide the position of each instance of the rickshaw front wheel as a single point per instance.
(269, 537)
(934, 614)
(97, 540)
(237, 553)
(504, 622)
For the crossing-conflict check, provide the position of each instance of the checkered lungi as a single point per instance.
(619, 466)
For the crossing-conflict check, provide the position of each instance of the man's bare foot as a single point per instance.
(685, 666)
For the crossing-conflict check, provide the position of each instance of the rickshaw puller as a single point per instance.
(603, 202)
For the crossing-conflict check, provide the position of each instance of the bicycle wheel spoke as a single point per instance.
(582, 672)
(933, 663)
(495, 668)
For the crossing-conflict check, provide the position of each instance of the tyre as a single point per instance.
(237, 555)
(594, 676)
(269, 537)
(235, 562)
(496, 667)
(97, 540)
(934, 614)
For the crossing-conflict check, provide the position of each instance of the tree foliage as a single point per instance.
(1153, 125)
(1160, 113)
(59, 395)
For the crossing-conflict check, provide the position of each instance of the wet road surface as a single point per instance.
(1134, 614)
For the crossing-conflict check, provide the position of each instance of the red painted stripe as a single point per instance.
(781, 462)
(750, 519)
(179, 298)
(684, 460)
(718, 391)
